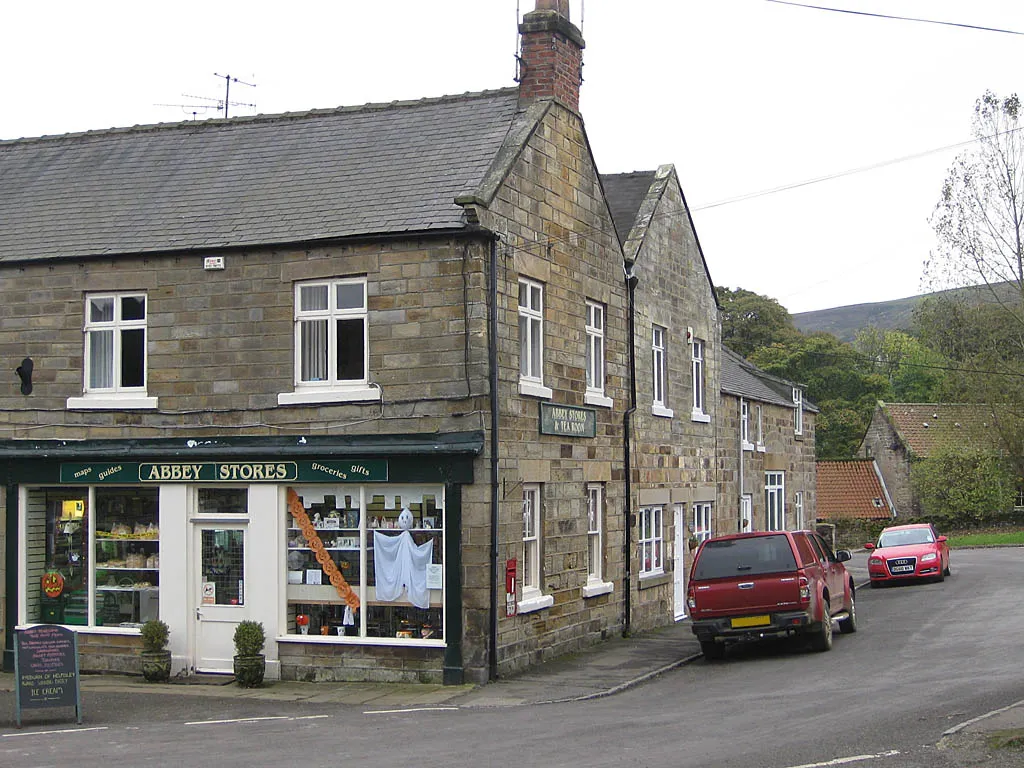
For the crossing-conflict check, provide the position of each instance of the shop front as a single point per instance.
(346, 550)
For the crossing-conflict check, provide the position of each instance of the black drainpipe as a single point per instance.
(492, 368)
(631, 281)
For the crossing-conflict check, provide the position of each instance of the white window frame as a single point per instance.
(330, 389)
(745, 425)
(759, 427)
(116, 395)
(595, 355)
(659, 365)
(698, 380)
(798, 414)
(775, 501)
(651, 541)
(531, 552)
(701, 520)
(531, 326)
(798, 510)
(596, 585)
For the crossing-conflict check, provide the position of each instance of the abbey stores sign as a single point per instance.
(567, 420)
(374, 470)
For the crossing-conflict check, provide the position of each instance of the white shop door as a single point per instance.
(218, 584)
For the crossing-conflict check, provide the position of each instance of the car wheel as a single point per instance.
(941, 577)
(947, 571)
(712, 651)
(849, 624)
(821, 640)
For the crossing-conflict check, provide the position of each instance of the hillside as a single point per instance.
(845, 322)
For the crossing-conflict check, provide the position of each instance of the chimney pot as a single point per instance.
(551, 62)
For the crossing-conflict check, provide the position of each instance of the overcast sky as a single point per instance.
(742, 96)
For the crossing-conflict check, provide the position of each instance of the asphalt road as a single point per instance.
(926, 658)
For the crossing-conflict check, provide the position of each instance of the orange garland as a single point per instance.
(323, 557)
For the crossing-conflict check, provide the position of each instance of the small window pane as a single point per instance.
(101, 359)
(133, 308)
(351, 350)
(350, 295)
(313, 341)
(133, 358)
(313, 298)
(101, 310)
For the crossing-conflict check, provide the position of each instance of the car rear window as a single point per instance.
(744, 557)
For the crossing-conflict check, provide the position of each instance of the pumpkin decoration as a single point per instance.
(53, 583)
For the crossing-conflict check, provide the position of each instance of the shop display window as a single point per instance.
(118, 574)
(364, 563)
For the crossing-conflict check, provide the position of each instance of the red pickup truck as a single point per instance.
(751, 586)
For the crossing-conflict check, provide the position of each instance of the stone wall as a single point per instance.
(882, 444)
(556, 230)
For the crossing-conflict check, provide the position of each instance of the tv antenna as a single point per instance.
(228, 80)
(221, 105)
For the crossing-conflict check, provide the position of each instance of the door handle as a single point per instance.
(199, 615)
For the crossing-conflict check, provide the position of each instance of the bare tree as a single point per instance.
(979, 219)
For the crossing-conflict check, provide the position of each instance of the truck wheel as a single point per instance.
(712, 651)
(849, 624)
(821, 640)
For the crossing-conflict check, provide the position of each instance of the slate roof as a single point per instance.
(742, 378)
(852, 490)
(290, 178)
(624, 193)
(923, 427)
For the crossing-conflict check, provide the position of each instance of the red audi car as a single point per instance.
(905, 552)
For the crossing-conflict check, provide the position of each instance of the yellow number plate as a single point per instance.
(751, 621)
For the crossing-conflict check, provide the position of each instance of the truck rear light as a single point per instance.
(805, 590)
(691, 600)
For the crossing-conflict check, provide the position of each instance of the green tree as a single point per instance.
(751, 321)
(962, 487)
(915, 373)
(835, 380)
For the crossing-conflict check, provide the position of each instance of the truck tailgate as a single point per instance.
(755, 594)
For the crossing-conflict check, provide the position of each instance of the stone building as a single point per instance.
(766, 451)
(675, 416)
(411, 384)
(900, 433)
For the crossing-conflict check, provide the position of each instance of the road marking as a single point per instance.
(413, 709)
(973, 720)
(848, 760)
(255, 719)
(48, 733)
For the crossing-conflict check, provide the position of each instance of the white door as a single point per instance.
(746, 513)
(219, 589)
(681, 549)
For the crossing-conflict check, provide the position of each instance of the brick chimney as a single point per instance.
(551, 63)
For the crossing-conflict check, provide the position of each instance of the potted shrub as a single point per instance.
(156, 658)
(250, 663)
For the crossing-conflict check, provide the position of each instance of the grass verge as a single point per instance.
(981, 539)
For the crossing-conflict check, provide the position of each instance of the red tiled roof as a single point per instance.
(851, 490)
(923, 427)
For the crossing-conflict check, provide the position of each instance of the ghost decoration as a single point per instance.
(405, 520)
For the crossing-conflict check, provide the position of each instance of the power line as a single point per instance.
(897, 18)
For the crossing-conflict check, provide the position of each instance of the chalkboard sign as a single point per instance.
(46, 669)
